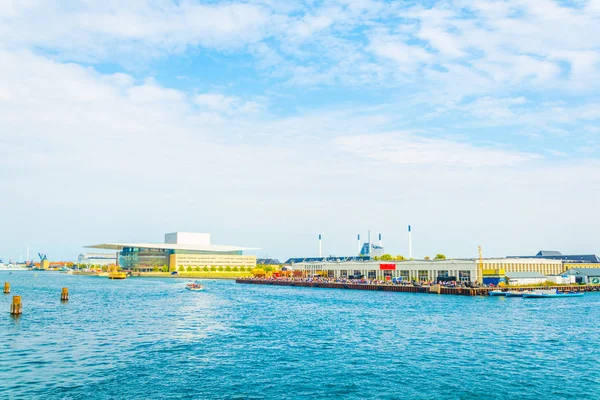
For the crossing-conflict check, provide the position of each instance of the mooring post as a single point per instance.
(64, 296)
(6, 287)
(16, 308)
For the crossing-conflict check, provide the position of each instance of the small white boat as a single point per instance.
(541, 294)
(497, 293)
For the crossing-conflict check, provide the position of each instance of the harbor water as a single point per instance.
(152, 339)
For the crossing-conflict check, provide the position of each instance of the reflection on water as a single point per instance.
(150, 338)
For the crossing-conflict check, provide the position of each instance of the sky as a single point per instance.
(268, 122)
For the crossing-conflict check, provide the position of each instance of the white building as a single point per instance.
(417, 270)
(180, 250)
(525, 278)
(562, 279)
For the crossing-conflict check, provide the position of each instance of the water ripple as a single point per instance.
(150, 338)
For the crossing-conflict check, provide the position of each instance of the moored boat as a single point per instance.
(516, 293)
(497, 293)
(539, 294)
(10, 267)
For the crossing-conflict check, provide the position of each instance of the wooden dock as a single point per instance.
(435, 289)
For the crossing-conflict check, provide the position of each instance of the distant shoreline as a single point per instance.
(182, 275)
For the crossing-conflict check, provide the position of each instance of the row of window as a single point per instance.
(421, 275)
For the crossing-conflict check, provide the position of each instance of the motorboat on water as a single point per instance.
(553, 293)
(114, 273)
(117, 275)
(194, 286)
(497, 293)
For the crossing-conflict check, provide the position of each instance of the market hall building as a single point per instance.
(410, 270)
(180, 249)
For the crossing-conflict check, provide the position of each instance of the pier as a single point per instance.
(434, 289)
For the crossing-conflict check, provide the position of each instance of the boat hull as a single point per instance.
(556, 295)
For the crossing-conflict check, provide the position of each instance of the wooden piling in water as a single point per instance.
(64, 295)
(16, 308)
(6, 287)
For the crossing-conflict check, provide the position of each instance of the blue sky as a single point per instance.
(269, 122)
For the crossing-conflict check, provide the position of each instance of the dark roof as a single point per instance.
(557, 255)
(584, 271)
(548, 253)
(326, 259)
(268, 261)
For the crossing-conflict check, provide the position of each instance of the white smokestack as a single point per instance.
(320, 246)
(409, 244)
(358, 240)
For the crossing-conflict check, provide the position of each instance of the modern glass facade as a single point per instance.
(143, 259)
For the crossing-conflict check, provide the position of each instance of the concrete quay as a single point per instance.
(434, 289)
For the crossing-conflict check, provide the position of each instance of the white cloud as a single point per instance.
(400, 52)
(412, 149)
(227, 104)
(215, 101)
(122, 150)
(101, 30)
(491, 46)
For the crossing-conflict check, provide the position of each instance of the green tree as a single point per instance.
(220, 268)
(376, 258)
(155, 269)
(440, 257)
(213, 268)
(181, 268)
(242, 269)
(165, 268)
(236, 269)
(400, 258)
(197, 269)
(426, 258)
(205, 268)
(228, 268)
(386, 257)
(189, 268)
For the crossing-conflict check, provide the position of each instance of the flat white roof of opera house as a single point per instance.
(176, 241)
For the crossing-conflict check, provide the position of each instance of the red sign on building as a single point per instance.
(387, 267)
